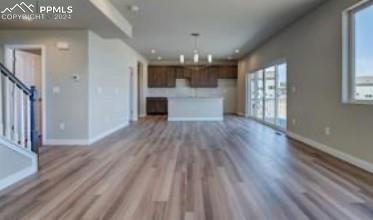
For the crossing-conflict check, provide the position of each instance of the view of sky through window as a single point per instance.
(364, 54)
(363, 42)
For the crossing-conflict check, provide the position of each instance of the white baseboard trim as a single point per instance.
(107, 133)
(196, 119)
(66, 142)
(83, 142)
(16, 177)
(365, 165)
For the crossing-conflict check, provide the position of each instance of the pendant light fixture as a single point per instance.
(209, 58)
(182, 59)
(196, 52)
(196, 58)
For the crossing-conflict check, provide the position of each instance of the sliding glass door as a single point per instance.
(281, 94)
(252, 95)
(257, 95)
(268, 96)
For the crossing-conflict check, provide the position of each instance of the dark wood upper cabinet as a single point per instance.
(161, 77)
(203, 77)
(154, 76)
(198, 76)
(213, 76)
(179, 72)
(228, 72)
(171, 77)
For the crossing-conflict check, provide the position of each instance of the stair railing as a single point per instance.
(17, 111)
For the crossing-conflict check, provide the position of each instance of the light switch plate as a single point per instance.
(327, 131)
(294, 121)
(99, 90)
(293, 89)
(62, 126)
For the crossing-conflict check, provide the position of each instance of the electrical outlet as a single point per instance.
(62, 126)
(327, 131)
(294, 89)
(294, 121)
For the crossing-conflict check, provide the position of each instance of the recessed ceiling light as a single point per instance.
(134, 8)
(237, 51)
(159, 58)
(153, 51)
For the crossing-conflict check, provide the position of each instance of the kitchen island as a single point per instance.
(195, 109)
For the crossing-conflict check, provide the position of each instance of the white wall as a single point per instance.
(15, 164)
(98, 63)
(70, 106)
(226, 89)
(12, 162)
(313, 50)
(109, 84)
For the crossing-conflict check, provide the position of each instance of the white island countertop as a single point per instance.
(194, 97)
(195, 108)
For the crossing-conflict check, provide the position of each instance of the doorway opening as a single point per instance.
(140, 91)
(27, 62)
(131, 94)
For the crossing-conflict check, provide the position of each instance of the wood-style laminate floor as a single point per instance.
(236, 169)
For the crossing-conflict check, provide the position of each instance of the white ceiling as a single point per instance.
(224, 25)
(85, 16)
(165, 25)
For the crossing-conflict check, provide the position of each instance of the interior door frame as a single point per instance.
(140, 89)
(43, 80)
(131, 94)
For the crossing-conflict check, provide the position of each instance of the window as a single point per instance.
(267, 98)
(358, 53)
(256, 95)
(270, 95)
(281, 95)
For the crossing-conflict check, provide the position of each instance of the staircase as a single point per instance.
(19, 141)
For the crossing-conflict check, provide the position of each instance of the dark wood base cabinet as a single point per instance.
(156, 106)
